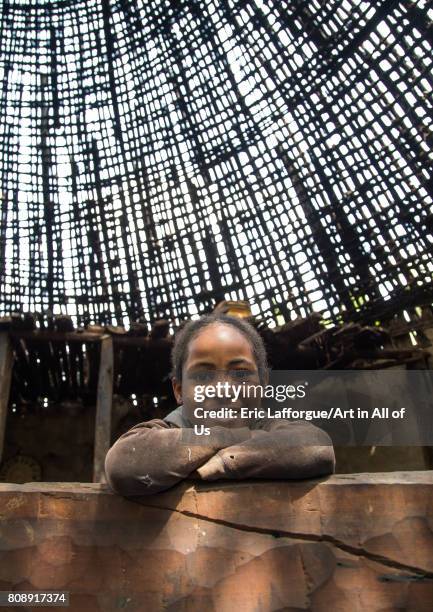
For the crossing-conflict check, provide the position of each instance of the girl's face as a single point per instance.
(220, 353)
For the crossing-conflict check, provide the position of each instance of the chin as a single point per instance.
(230, 423)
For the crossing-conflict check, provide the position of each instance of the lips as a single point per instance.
(225, 403)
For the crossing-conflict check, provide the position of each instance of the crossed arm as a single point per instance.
(287, 450)
(151, 457)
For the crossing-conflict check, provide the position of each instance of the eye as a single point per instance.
(241, 374)
(202, 376)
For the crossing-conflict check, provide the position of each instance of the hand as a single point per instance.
(213, 469)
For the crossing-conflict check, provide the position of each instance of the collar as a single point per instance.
(178, 418)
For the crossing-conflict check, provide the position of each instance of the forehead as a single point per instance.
(217, 339)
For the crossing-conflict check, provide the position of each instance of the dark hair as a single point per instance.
(192, 328)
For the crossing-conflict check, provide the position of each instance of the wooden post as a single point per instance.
(104, 403)
(6, 363)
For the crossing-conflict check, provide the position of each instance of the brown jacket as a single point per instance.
(153, 456)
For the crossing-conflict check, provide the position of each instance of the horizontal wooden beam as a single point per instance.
(86, 337)
(54, 336)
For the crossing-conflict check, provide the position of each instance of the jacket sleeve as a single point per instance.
(283, 450)
(152, 456)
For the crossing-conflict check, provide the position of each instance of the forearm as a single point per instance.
(290, 451)
(148, 460)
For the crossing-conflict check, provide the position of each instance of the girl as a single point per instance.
(155, 455)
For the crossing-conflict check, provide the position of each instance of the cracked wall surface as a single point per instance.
(347, 543)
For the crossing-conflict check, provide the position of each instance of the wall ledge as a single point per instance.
(347, 542)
